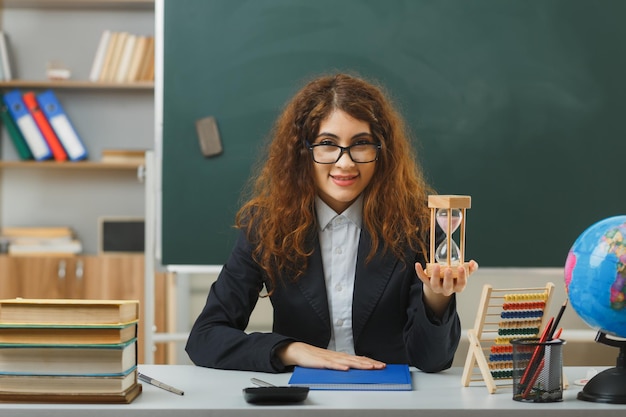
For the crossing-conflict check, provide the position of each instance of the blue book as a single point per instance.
(391, 378)
(27, 125)
(62, 126)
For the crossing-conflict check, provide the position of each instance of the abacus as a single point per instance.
(503, 315)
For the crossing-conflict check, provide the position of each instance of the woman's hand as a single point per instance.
(437, 290)
(302, 354)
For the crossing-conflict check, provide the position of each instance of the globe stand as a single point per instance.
(609, 386)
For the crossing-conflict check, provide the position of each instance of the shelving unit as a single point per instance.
(106, 115)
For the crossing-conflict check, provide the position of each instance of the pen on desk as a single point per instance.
(261, 383)
(159, 384)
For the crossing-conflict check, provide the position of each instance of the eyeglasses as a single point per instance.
(329, 153)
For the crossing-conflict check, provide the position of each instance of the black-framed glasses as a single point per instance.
(329, 153)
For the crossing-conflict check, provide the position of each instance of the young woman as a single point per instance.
(335, 231)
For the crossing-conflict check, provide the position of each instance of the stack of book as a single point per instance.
(68, 350)
(39, 127)
(123, 57)
(49, 241)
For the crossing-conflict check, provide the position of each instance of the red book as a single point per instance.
(44, 126)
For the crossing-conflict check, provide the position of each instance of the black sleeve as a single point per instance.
(217, 338)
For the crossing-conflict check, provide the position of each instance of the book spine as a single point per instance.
(98, 61)
(1, 67)
(4, 57)
(148, 61)
(61, 124)
(108, 56)
(14, 133)
(36, 232)
(46, 130)
(135, 63)
(127, 53)
(25, 122)
(117, 56)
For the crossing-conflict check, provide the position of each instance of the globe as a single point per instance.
(595, 276)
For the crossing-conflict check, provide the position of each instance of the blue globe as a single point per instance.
(595, 276)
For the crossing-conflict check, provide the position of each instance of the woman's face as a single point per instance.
(339, 184)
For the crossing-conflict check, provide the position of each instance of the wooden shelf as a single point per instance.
(70, 165)
(84, 85)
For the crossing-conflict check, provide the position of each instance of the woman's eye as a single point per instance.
(326, 142)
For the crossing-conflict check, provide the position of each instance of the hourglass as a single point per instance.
(448, 211)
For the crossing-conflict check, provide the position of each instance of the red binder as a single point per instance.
(58, 152)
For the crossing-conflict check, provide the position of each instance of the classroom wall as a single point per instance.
(517, 103)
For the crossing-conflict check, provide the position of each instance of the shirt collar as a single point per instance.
(325, 214)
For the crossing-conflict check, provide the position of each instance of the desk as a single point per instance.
(210, 392)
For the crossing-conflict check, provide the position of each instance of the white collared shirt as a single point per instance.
(339, 241)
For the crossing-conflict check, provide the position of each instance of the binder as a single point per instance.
(14, 133)
(25, 122)
(62, 126)
(46, 130)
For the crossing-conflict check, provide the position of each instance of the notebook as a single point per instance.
(391, 378)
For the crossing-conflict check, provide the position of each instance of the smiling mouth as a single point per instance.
(344, 180)
(344, 177)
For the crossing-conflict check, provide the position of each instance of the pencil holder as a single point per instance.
(537, 370)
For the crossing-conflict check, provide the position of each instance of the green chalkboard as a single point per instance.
(519, 103)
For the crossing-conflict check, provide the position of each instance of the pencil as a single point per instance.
(536, 357)
(531, 383)
(555, 325)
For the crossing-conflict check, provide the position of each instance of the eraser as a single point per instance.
(209, 137)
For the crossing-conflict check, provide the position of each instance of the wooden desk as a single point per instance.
(210, 392)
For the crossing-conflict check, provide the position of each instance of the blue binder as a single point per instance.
(62, 126)
(394, 377)
(27, 125)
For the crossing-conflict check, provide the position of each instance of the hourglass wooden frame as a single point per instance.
(448, 202)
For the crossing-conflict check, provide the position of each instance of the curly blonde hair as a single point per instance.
(279, 216)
